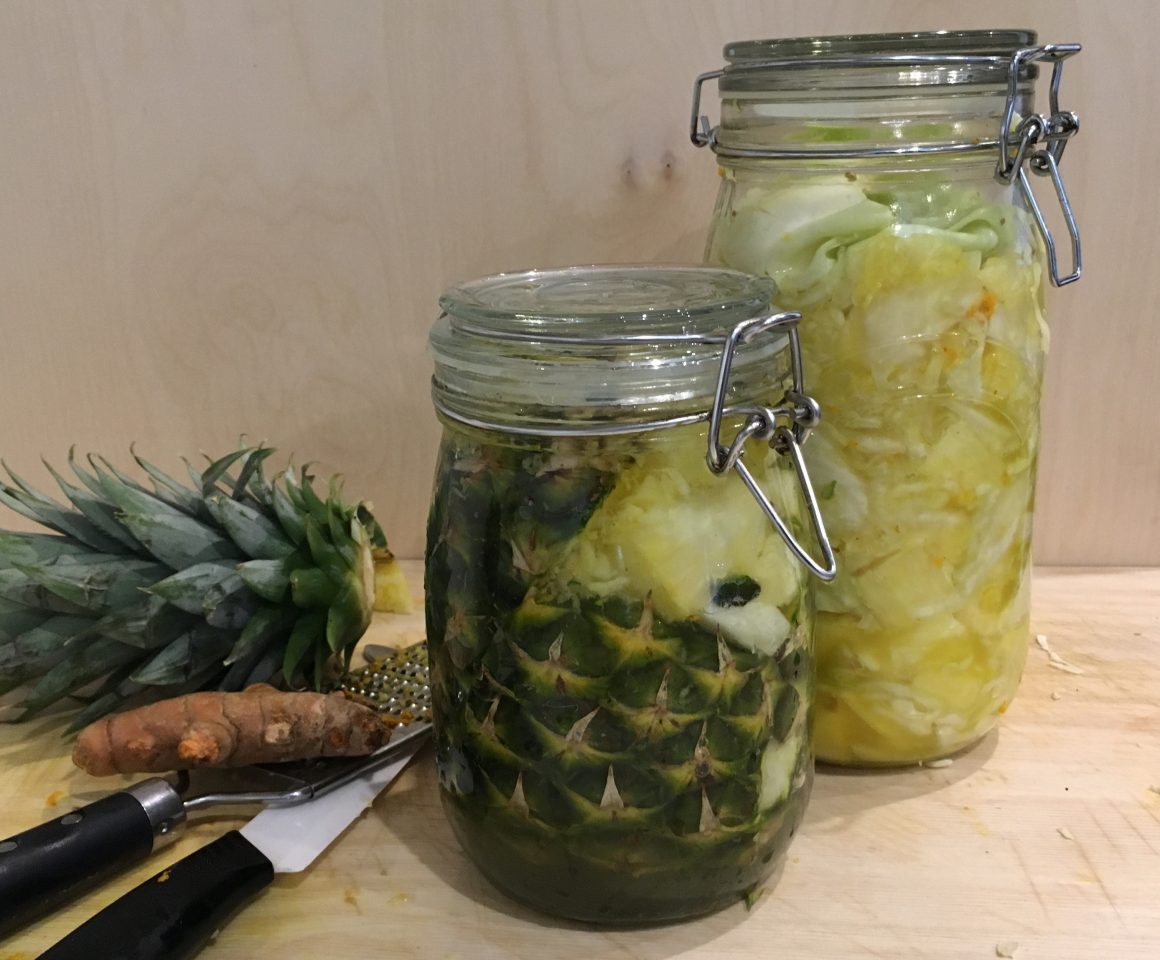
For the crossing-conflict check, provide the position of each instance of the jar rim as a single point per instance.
(624, 342)
(999, 42)
(576, 302)
(876, 61)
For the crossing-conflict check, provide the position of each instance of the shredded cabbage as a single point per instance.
(924, 340)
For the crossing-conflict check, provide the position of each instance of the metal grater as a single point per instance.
(395, 682)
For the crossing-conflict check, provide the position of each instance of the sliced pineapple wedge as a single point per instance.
(672, 531)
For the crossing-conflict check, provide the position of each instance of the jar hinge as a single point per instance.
(1040, 139)
(787, 425)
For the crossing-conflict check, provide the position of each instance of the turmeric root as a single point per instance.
(258, 725)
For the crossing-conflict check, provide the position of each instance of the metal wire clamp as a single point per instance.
(1039, 139)
(786, 424)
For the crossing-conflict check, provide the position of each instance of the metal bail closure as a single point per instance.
(787, 426)
(1040, 141)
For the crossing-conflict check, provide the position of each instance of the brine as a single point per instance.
(621, 669)
(924, 340)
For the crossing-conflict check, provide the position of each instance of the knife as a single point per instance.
(172, 915)
(44, 867)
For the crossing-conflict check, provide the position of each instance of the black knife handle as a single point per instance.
(174, 914)
(43, 867)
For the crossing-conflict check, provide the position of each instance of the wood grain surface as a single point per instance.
(234, 216)
(1045, 836)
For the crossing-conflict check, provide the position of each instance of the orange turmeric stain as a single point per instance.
(1003, 708)
(54, 798)
(163, 877)
(984, 307)
(350, 895)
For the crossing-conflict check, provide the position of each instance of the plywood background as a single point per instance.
(222, 217)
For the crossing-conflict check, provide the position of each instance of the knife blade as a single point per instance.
(172, 915)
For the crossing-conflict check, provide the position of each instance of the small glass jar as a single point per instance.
(882, 182)
(620, 642)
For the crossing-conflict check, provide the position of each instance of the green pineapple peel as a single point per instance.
(141, 592)
(621, 670)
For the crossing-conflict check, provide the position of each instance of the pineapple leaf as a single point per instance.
(289, 517)
(16, 618)
(256, 534)
(148, 625)
(307, 631)
(320, 659)
(22, 484)
(107, 473)
(17, 587)
(267, 668)
(37, 547)
(170, 490)
(347, 618)
(179, 541)
(111, 695)
(130, 496)
(98, 584)
(188, 589)
(323, 553)
(194, 474)
(311, 589)
(51, 514)
(368, 522)
(250, 479)
(261, 489)
(189, 655)
(79, 669)
(269, 579)
(100, 513)
(218, 468)
(315, 507)
(265, 626)
(90, 481)
(338, 525)
(233, 609)
(41, 646)
(237, 676)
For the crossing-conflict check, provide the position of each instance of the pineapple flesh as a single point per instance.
(621, 670)
(144, 592)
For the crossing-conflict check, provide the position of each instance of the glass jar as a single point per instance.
(881, 181)
(620, 644)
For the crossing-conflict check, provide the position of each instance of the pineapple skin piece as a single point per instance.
(611, 746)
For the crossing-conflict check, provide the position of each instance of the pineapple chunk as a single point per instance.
(392, 593)
(672, 531)
(778, 763)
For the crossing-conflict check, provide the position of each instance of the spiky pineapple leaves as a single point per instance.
(231, 579)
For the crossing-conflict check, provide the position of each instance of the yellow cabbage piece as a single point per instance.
(924, 340)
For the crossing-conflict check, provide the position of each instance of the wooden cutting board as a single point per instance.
(1044, 841)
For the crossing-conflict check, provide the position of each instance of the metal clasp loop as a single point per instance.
(1052, 131)
(787, 426)
(700, 129)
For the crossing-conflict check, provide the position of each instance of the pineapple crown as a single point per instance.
(231, 579)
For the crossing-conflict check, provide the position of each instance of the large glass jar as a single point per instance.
(620, 640)
(882, 182)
